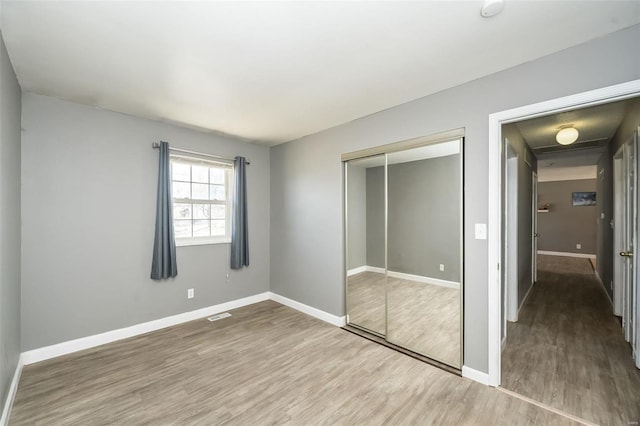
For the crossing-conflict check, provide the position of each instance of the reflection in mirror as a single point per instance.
(425, 250)
(365, 202)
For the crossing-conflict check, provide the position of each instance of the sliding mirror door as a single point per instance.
(424, 253)
(365, 229)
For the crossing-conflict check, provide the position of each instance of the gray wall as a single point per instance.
(375, 217)
(307, 259)
(89, 181)
(424, 217)
(10, 243)
(357, 216)
(527, 164)
(566, 225)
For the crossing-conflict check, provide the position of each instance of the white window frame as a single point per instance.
(228, 168)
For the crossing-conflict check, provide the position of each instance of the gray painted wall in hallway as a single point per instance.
(306, 178)
(89, 186)
(10, 242)
(566, 225)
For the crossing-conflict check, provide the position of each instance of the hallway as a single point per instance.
(567, 349)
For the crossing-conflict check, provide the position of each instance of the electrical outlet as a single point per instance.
(190, 293)
(228, 278)
(441, 267)
(579, 246)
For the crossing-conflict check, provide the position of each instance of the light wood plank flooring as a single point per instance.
(567, 348)
(366, 299)
(267, 364)
(425, 318)
(422, 317)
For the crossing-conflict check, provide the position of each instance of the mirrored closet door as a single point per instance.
(366, 276)
(403, 215)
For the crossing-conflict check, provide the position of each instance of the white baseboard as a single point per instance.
(567, 254)
(358, 270)
(365, 268)
(475, 375)
(526, 296)
(309, 310)
(422, 279)
(47, 352)
(402, 275)
(603, 287)
(11, 394)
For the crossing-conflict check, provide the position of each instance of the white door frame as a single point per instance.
(496, 120)
(636, 258)
(511, 239)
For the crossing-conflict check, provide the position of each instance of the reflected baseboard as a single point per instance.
(381, 340)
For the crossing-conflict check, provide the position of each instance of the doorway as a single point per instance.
(593, 98)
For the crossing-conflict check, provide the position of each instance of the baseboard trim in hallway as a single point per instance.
(546, 407)
(567, 254)
(11, 393)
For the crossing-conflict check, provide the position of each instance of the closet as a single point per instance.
(404, 245)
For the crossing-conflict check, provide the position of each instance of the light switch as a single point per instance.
(481, 231)
(601, 215)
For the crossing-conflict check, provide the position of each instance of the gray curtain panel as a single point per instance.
(164, 246)
(239, 227)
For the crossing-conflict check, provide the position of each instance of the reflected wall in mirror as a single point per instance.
(366, 279)
(404, 245)
(425, 251)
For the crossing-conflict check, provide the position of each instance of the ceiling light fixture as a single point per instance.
(567, 136)
(491, 8)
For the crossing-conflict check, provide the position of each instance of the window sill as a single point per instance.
(201, 242)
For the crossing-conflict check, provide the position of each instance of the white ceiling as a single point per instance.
(594, 124)
(275, 71)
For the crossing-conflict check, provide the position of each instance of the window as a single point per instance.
(201, 191)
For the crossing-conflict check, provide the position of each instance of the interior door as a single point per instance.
(365, 209)
(424, 254)
(632, 244)
(634, 260)
(629, 243)
(534, 227)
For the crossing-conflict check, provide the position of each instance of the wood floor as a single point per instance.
(425, 318)
(267, 364)
(567, 348)
(421, 317)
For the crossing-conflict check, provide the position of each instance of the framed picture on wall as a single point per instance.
(583, 199)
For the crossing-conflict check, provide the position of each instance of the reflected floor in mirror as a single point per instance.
(366, 301)
(425, 318)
